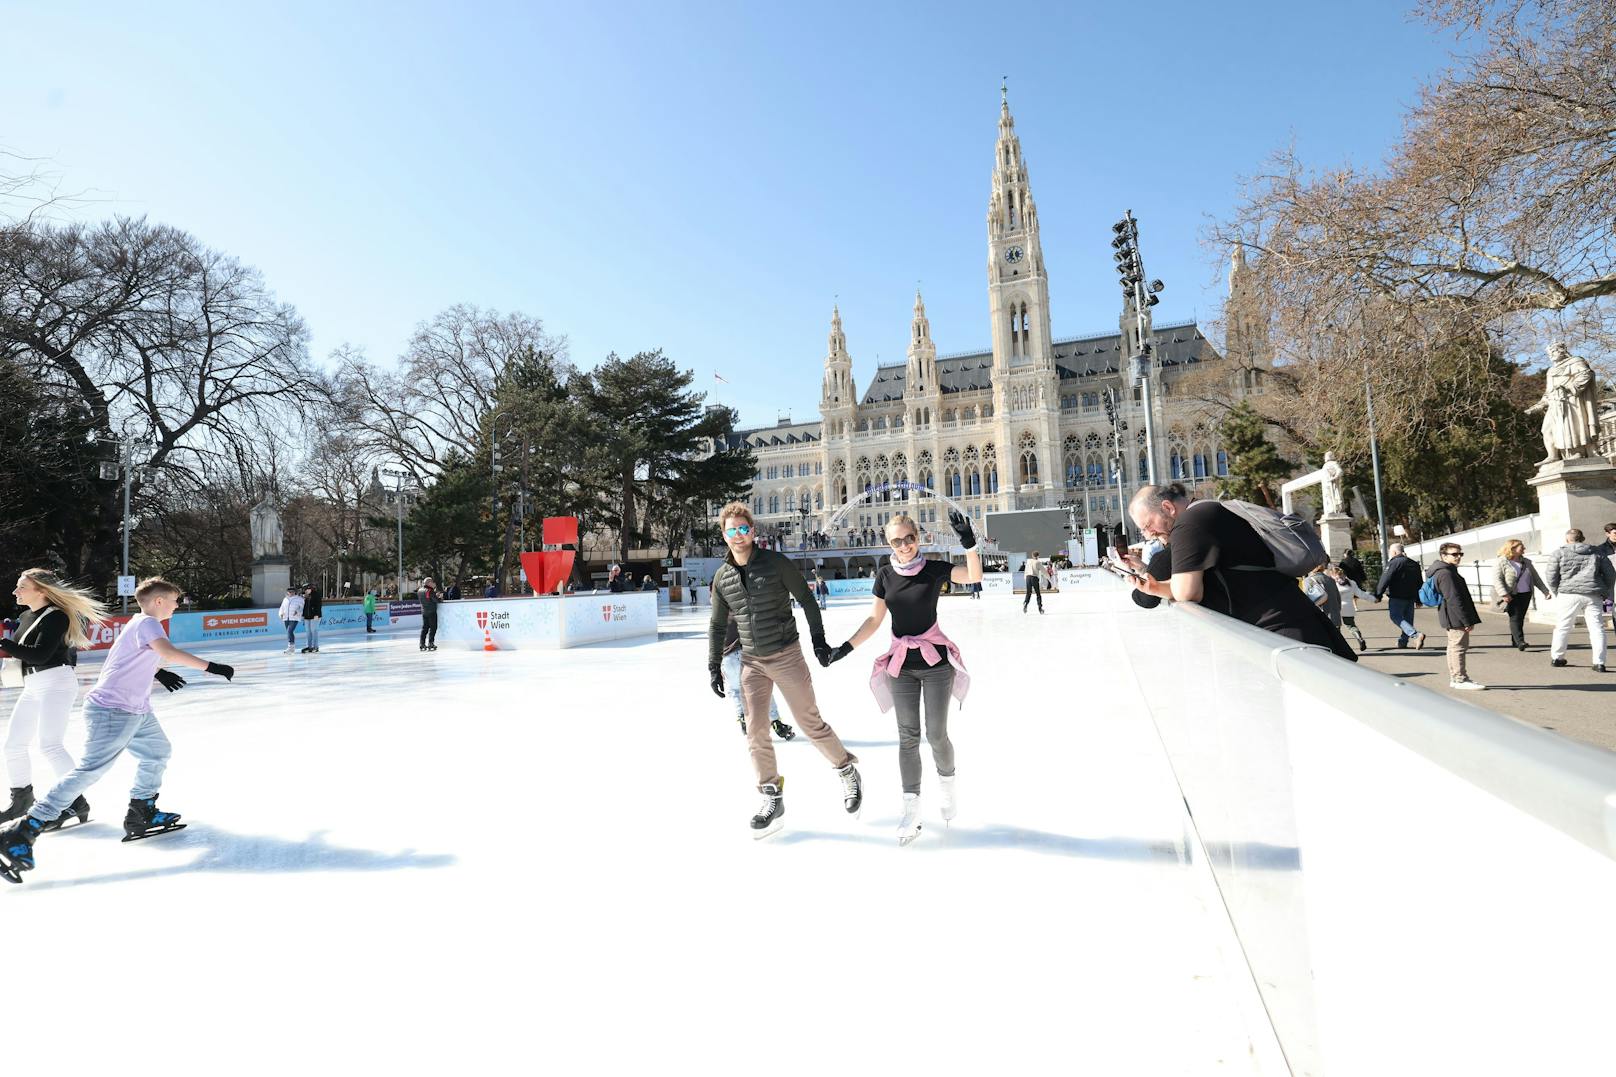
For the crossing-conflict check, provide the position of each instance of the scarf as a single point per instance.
(911, 569)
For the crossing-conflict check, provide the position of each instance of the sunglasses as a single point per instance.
(901, 540)
(1454, 553)
(731, 532)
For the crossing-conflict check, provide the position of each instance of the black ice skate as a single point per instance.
(852, 789)
(17, 849)
(143, 820)
(76, 814)
(742, 720)
(767, 819)
(22, 798)
(783, 731)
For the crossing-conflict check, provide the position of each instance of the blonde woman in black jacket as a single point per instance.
(49, 633)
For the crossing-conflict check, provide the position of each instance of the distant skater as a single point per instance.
(1033, 569)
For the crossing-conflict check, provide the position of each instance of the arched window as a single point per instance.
(1029, 468)
(1200, 465)
(1177, 464)
(757, 505)
(819, 499)
(951, 482)
(993, 477)
(1223, 462)
(1074, 470)
(774, 505)
(973, 481)
(1144, 467)
(791, 501)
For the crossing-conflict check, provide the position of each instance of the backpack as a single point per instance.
(1293, 542)
(1429, 595)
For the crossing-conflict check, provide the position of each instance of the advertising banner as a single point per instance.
(104, 632)
(397, 610)
(501, 624)
(595, 619)
(996, 583)
(221, 625)
(1081, 579)
(851, 587)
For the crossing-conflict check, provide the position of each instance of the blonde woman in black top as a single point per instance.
(49, 633)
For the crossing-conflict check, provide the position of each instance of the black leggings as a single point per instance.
(1518, 604)
(1033, 588)
(429, 632)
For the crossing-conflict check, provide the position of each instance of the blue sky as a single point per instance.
(706, 178)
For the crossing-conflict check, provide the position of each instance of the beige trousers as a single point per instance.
(1458, 647)
(787, 670)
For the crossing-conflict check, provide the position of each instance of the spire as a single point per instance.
(838, 339)
(921, 328)
(1010, 206)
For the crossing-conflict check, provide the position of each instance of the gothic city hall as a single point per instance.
(1022, 424)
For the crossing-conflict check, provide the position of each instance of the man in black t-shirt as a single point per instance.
(1218, 561)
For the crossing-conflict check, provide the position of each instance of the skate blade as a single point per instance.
(769, 831)
(155, 833)
(908, 839)
(9, 871)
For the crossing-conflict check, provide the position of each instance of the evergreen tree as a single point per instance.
(659, 442)
(1256, 468)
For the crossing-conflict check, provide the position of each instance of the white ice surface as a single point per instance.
(538, 862)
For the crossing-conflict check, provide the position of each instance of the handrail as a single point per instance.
(1561, 782)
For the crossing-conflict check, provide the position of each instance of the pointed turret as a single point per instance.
(838, 385)
(920, 375)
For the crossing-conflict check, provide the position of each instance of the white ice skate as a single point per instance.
(950, 805)
(909, 825)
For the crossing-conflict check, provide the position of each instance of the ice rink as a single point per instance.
(539, 862)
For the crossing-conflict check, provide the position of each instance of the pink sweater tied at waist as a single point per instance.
(890, 664)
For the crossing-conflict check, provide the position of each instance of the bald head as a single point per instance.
(1395, 549)
(1155, 509)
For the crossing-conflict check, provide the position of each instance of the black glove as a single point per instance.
(169, 679)
(717, 674)
(962, 528)
(219, 669)
(841, 652)
(822, 650)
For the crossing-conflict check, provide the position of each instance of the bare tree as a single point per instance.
(157, 337)
(445, 386)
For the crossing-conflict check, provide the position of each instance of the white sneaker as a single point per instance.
(909, 826)
(1467, 685)
(950, 805)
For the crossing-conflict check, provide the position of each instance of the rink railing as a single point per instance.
(1418, 885)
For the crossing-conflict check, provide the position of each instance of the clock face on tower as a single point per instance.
(1013, 255)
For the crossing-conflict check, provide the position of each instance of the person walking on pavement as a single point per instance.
(311, 617)
(1582, 580)
(1457, 613)
(430, 600)
(1514, 578)
(291, 612)
(1034, 569)
(1353, 569)
(1399, 585)
(1321, 587)
(1351, 592)
(756, 585)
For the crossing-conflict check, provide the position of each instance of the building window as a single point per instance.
(1176, 463)
(1223, 462)
(1200, 465)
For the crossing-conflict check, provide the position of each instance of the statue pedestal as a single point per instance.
(1335, 531)
(271, 576)
(1574, 493)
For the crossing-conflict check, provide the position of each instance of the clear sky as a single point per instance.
(705, 178)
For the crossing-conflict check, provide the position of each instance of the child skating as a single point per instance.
(118, 716)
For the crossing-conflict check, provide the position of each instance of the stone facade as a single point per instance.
(1020, 425)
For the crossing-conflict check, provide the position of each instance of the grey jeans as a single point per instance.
(935, 683)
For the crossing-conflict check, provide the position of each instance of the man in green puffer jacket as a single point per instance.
(757, 586)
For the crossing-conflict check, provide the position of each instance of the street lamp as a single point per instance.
(1118, 425)
(397, 497)
(805, 511)
(125, 465)
(1138, 296)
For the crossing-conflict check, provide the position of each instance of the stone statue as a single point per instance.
(266, 529)
(1569, 406)
(1334, 495)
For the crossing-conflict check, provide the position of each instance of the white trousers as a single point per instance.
(46, 701)
(1591, 610)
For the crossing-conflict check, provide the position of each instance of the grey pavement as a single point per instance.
(1574, 701)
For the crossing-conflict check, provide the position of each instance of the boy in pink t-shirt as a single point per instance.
(117, 712)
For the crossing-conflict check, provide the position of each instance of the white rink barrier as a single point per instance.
(1082, 579)
(554, 621)
(1418, 885)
